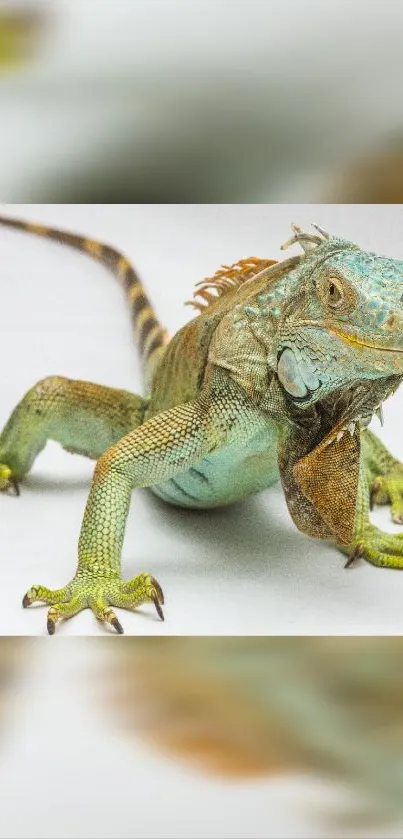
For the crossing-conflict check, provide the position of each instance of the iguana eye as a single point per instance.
(334, 292)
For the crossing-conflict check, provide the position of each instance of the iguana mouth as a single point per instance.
(350, 339)
(366, 344)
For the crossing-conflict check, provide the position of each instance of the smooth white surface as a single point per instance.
(242, 571)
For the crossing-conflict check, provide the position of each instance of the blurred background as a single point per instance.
(192, 100)
(268, 738)
(162, 101)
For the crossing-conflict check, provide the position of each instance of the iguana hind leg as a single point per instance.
(84, 418)
(384, 475)
(369, 542)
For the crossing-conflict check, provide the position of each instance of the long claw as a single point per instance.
(357, 554)
(51, 625)
(160, 593)
(158, 607)
(117, 625)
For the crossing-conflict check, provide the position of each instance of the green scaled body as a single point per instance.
(278, 376)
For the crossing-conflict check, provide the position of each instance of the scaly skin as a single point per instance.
(277, 376)
(384, 476)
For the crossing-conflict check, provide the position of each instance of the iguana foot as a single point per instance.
(384, 550)
(7, 480)
(99, 594)
(388, 489)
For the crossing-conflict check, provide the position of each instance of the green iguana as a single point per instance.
(278, 375)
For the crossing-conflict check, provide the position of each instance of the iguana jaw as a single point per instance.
(359, 410)
(343, 411)
(316, 357)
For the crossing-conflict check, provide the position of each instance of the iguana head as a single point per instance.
(341, 322)
(339, 353)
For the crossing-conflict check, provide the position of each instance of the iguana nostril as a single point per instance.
(391, 321)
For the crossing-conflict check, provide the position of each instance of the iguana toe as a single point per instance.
(7, 480)
(388, 489)
(382, 549)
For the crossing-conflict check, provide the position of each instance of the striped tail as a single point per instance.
(151, 337)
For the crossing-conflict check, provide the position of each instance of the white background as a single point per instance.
(243, 571)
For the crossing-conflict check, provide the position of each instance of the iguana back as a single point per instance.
(176, 365)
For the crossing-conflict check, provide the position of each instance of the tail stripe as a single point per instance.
(95, 249)
(139, 303)
(150, 334)
(145, 314)
(123, 267)
(133, 289)
(147, 325)
(152, 341)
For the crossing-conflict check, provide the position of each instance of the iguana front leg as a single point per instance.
(384, 475)
(164, 446)
(86, 419)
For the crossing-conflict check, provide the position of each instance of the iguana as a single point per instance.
(277, 376)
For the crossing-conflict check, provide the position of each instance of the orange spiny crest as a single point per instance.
(227, 278)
